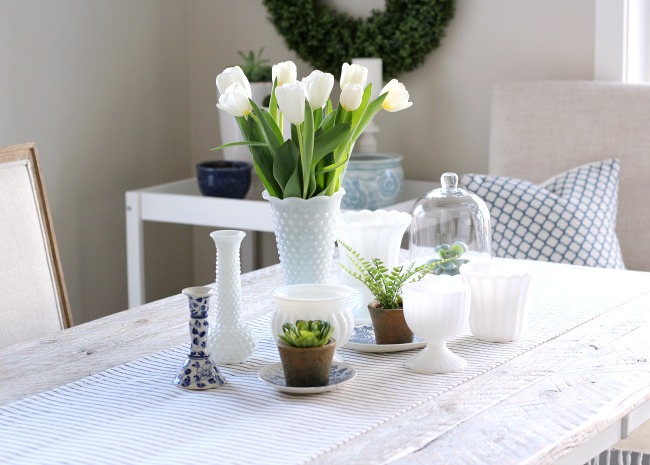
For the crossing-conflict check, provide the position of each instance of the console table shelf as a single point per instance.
(181, 202)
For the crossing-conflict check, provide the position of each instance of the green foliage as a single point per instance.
(449, 261)
(384, 284)
(312, 333)
(402, 35)
(256, 68)
(313, 161)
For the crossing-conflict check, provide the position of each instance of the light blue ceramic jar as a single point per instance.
(372, 181)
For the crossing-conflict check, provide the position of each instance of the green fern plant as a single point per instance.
(311, 333)
(383, 283)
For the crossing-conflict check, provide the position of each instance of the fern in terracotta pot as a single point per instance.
(306, 349)
(386, 284)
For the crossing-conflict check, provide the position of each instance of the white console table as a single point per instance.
(181, 202)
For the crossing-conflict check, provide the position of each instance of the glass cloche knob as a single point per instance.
(447, 217)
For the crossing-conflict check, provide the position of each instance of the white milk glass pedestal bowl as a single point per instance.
(436, 310)
(374, 234)
(327, 302)
(498, 308)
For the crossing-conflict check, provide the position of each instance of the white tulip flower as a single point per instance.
(229, 76)
(319, 86)
(351, 96)
(235, 100)
(353, 74)
(286, 72)
(291, 101)
(397, 98)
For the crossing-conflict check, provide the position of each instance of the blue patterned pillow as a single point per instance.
(570, 218)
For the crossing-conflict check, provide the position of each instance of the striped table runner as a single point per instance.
(133, 414)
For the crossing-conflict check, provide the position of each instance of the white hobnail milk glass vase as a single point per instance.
(231, 340)
(305, 231)
(374, 234)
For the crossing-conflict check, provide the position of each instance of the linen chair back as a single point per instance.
(541, 128)
(33, 299)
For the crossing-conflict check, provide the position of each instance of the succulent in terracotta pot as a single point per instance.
(386, 284)
(306, 349)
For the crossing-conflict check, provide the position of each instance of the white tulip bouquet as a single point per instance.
(312, 161)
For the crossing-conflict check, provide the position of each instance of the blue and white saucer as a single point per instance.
(363, 340)
(340, 373)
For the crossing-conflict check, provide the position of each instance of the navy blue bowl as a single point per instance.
(224, 178)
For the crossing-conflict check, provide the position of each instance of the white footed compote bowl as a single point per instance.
(499, 299)
(326, 302)
(436, 309)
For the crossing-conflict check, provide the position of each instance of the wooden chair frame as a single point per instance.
(28, 152)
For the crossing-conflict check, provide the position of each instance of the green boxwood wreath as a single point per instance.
(402, 35)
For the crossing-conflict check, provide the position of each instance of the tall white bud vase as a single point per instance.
(305, 231)
(374, 234)
(231, 340)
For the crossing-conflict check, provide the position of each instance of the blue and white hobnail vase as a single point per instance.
(231, 339)
(305, 232)
(372, 181)
(199, 372)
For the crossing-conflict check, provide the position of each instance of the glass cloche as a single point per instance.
(449, 215)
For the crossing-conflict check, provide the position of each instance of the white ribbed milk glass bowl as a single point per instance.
(498, 308)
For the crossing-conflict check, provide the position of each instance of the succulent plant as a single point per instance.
(383, 283)
(311, 333)
(255, 67)
(449, 261)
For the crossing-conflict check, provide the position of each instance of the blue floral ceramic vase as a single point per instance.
(199, 371)
(372, 181)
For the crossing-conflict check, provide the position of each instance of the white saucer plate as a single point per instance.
(363, 340)
(340, 373)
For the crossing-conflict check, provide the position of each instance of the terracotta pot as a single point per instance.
(306, 366)
(390, 325)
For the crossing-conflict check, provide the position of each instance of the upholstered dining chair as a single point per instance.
(33, 299)
(539, 129)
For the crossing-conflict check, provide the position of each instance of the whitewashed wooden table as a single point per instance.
(562, 402)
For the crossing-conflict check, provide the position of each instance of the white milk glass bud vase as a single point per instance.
(305, 231)
(231, 340)
(374, 234)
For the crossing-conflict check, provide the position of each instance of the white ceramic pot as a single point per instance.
(305, 231)
(327, 302)
(436, 309)
(499, 299)
(374, 234)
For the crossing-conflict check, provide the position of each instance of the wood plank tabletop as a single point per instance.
(533, 409)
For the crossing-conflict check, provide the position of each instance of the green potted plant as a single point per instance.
(385, 284)
(449, 262)
(259, 74)
(306, 349)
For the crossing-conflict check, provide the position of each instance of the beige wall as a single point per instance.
(101, 86)
(119, 94)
